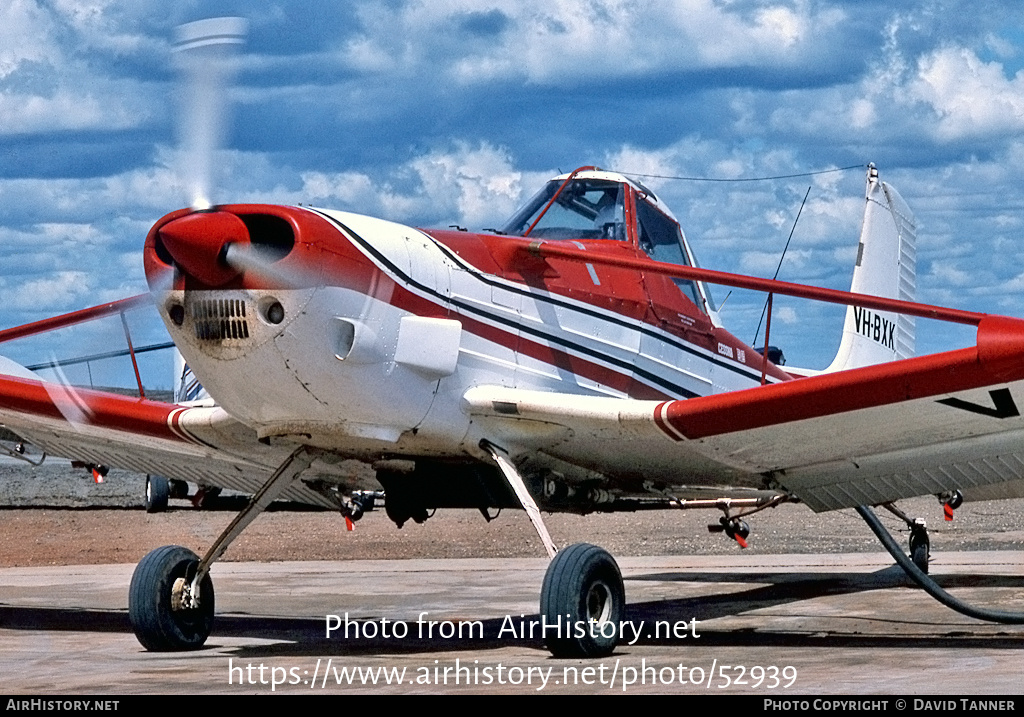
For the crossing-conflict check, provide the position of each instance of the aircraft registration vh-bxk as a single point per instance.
(572, 361)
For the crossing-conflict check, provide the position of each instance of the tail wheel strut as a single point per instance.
(929, 585)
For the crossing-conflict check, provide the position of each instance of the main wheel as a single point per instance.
(584, 596)
(159, 620)
(157, 493)
(920, 549)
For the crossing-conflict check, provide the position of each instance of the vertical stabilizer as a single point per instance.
(886, 266)
(186, 386)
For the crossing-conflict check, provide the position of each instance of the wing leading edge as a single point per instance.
(919, 426)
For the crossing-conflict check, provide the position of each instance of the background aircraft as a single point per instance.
(572, 360)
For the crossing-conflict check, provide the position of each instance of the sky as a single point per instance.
(438, 113)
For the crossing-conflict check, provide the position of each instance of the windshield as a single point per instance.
(585, 209)
(662, 240)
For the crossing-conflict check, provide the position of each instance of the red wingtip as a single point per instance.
(1001, 346)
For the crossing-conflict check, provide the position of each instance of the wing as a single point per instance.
(919, 426)
(201, 444)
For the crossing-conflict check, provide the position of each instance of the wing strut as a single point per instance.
(515, 480)
(927, 584)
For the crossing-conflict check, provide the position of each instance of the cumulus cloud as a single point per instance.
(49, 55)
(52, 293)
(950, 274)
(67, 110)
(147, 192)
(787, 315)
(566, 42)
(471, 186)
(969, 97)
(650, 165)
(24, 27)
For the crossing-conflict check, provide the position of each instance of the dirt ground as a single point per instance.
(56, 515)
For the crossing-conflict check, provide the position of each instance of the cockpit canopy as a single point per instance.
(583, 209)
(592, 204)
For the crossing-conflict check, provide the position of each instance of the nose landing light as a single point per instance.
(197, 243)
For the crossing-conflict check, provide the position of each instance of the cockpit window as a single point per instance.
(661, 239)
(585, 209)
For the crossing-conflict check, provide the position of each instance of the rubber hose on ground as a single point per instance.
(929, 585)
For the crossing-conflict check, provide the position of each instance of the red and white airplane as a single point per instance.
(572, 361)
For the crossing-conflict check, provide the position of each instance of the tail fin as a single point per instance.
(886, 266)
(187, 388)
(10, 368)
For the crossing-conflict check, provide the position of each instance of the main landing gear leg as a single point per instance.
(582, 590)
(518, 486)
(170, 600)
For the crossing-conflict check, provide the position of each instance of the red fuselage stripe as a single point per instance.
(404, 299)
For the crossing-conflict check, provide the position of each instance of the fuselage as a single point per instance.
(362, 335)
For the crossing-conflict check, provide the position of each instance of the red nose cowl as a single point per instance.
(196, 242)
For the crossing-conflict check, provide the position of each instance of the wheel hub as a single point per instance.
(181, 596)
(599, 602)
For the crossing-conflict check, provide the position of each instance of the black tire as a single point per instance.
(157, 493)
(157, 625)
(178, 488)
(583, 586)
(206, 497)
(920, 549)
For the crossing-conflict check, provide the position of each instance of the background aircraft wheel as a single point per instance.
(157, 493)
(205, 497)
(158, 624)
(920, 549)
(584, 586)
(178, 488)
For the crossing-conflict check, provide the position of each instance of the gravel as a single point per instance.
(57, 515)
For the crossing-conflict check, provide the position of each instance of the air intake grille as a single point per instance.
(219, 319)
